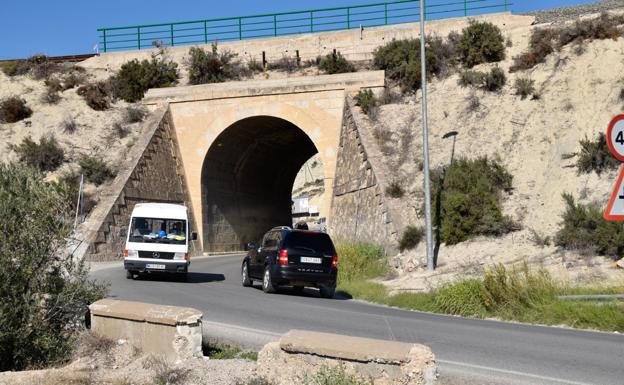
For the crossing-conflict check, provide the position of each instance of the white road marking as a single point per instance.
(515, 373)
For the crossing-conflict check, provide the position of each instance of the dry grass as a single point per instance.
(165, 372)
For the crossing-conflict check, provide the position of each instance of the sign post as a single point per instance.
(615, 141)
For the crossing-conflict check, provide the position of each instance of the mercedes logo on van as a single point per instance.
(156, 255)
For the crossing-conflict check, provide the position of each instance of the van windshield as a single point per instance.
(158, 230)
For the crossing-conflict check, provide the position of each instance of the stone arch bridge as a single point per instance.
(231, 153)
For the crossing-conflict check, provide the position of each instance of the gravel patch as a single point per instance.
(562, 14)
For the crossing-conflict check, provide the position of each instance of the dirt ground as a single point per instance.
(101, 362)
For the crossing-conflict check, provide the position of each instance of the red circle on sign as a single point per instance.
(617, 155)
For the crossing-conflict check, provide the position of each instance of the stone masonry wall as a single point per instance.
(360, 211)
(156, 176)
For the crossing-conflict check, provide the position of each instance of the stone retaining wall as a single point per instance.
(300, 354)
(153, 173)
(355, 44)
(360, 209)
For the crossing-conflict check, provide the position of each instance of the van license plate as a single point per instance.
(155, 266)
(310, 260)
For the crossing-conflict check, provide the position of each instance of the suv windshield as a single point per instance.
(157, 230)
(315, 242)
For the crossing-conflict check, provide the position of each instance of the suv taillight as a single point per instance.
(282, 258)
(334, 261)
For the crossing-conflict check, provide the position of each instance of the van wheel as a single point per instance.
(129, 274)
(298, 289)
(267, 285)
(327, 292)
(245, 275)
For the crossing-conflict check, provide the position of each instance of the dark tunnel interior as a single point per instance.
(247, 180)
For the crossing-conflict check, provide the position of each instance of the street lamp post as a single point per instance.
(425, 129)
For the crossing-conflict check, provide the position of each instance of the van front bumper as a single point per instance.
(156, 266)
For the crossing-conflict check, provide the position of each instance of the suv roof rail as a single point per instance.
(282, 228)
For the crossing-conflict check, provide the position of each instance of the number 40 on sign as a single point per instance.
(615, 141)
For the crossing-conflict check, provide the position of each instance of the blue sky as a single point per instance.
(64, 27)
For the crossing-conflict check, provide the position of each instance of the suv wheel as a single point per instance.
(298, 289)
(267, 285)
(245, 275)
(327, 292)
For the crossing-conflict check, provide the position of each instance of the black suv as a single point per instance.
(297, 258)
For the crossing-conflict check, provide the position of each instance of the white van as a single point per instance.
(158, 240)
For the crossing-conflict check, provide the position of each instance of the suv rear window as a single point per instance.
(317, 242)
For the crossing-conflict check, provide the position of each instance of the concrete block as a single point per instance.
(172, 331)
(302, 353)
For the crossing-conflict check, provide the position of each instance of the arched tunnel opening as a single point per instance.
(247, 180)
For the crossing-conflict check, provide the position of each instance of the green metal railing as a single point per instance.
(288, 23)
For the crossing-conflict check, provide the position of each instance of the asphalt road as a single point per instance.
(468, 351)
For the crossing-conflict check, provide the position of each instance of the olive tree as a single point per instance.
(44, 289)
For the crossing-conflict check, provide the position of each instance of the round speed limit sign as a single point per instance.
(615, 137)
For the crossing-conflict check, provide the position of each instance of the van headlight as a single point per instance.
(179, 256)
(133, 254)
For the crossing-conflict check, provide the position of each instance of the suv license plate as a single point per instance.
(310, 260)
(155, 266)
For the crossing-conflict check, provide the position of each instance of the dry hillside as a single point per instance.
(579, 93)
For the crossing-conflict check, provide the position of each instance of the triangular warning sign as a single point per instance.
(615, 208)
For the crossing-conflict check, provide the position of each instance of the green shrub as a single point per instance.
(545, 41)
(367, 100)
(540, 239)
(13, 109)
(394, 189)
(45, 292)
(481, 42)
(401, 59)
(584, 229)
(213, 66)
(286, 64)
(490, 81)
(542, 43)
(524, 87)
(495, 80)
(134, 78)
(465, 298)
(335, 63)
(46, 155)
(360, 261)
(67, 185)
(595, 156)
(40, 66)
(94, 169)
(134, 114)
(411, 238)
(96, 96)
(473, 102)
(467, 199)
(9, 68)
(254, 66)
(471, 78)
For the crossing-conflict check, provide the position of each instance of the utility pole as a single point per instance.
(425, 129)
